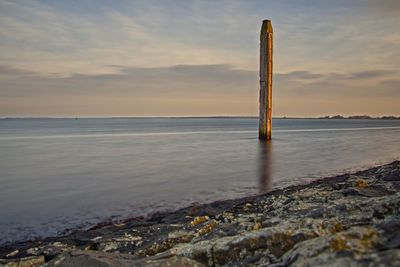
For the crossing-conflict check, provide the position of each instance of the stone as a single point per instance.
(100, 259)
(199, 220)
(24, 262)
(392, 175)
(180, 234)
(107, 246)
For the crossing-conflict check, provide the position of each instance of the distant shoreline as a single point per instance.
(336, 117)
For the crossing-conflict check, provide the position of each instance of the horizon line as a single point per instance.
(199, 117)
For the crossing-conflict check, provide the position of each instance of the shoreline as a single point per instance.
(336, 117)
(264, 229)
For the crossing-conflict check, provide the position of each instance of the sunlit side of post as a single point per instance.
(265, 119)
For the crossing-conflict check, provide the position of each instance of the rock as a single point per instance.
(201, 251)
(107, 246)
(361, 183)
(172, 261)
(207, 228)
(257, 226)
(391, 230)
(350, 192)
(375, 191)
(49, 250)
(180, 234)
(24, 262)
(13, 253)
(100, 259)
(199, 220)
(247, 207)
(392, 175)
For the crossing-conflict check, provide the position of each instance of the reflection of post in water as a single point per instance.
(265, 165)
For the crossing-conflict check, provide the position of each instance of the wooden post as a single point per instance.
(265, 81)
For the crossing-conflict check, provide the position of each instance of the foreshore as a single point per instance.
(346, 220)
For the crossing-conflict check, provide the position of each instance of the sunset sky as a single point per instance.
(197, 58)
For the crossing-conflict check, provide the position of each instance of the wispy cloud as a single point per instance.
(47, 39)
(118, 56)
(227, 89)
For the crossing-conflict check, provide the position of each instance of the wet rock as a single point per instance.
(350, 192)
(394, 185)
(391, 231)
(12, 253)
(392, 175)
(377, 190)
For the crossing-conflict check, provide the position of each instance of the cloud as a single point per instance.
(372, 91)
(171, 80)
(212, 89)
(215, 80)
(95, 55)
(365, 75)
(384, 7)
(370, 74)
(52, 36)
(11, 71)
(299, 75)
(49, 38)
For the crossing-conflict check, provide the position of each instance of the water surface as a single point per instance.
(65, 173)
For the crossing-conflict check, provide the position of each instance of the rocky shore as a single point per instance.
(347, 220)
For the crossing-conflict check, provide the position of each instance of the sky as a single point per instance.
(94, 58)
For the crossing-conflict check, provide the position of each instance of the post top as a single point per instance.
(266, 27)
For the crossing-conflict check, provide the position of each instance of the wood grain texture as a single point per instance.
(266, 46)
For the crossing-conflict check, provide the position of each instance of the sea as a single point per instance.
(61, 174)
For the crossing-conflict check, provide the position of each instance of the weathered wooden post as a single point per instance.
(265, 81)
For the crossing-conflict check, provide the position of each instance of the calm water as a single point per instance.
(63, 173)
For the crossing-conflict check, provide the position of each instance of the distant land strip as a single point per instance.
(354, 117)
